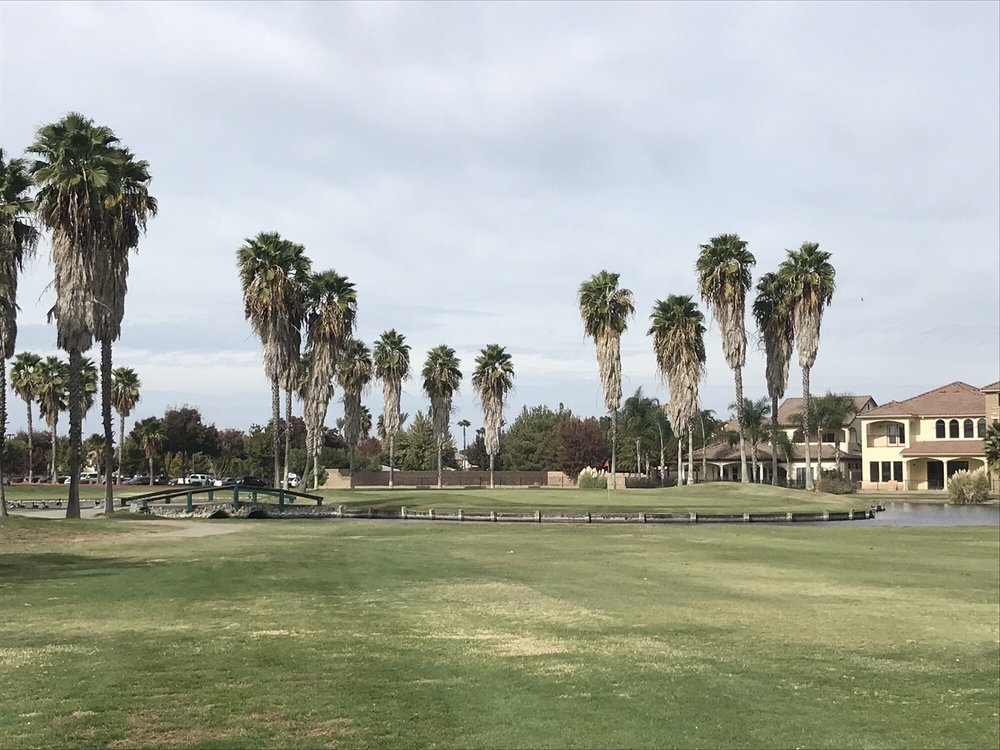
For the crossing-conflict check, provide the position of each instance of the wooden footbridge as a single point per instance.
(236, 494)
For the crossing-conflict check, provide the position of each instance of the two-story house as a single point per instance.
(918, 443)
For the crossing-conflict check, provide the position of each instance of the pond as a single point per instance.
(935, 514)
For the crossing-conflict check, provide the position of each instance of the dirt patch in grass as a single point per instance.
(497, 599)
(37, 656)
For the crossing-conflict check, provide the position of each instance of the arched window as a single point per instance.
(953, 428)
(981, 428)
(967, 429)
(939, 429)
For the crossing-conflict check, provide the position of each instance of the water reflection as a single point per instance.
(935, 514)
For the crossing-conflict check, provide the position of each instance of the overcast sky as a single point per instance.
(468, 165)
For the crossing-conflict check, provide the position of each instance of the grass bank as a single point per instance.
(360, 634)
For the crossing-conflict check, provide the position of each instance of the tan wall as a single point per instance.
(992, 408)
(336, 481)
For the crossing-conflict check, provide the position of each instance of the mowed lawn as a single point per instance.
(330, 633)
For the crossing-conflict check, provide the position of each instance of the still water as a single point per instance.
(934, 514)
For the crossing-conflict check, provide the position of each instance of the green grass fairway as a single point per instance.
(38, 492)
(387, 634)
(718, 497)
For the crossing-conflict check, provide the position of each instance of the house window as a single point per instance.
(939, 428)
(873, 471)
(897, 471)
(800, 476)
(967, 429)
(829, 437)
(953, 428)
(886, 471)
(981, 428)
(897, 434)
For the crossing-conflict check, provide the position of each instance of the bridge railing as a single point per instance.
(231, 492)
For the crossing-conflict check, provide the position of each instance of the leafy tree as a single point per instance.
(331, 312)
(605, 310)
(125, 389)
(583, 443)
(772, 311)
(77, 173)
(419, 447)
(677, 328)
(475, 452)
(185, 432)
(724, 278)
(643, 421)
(354, 372)
(441, 379)
(391, 357)
(24, 381)
(533, 441)
(810, 280)
(493, 378)
(18, 239)
(273, 274)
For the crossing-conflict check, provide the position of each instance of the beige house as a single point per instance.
(917, 444)
(838, 448)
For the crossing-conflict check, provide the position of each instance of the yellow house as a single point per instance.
(917, 444)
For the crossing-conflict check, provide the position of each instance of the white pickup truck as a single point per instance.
(197, 480)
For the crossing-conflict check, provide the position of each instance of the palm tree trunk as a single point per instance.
(392, 456)
(309, 451)
(704, 447)
(351, 469)
(3, 434)
(53, 466)
(680, 462)
(75, 431)
(491, 471)
(150, 471)
(288, 435)
(738, 372)
(109, 498)
(805, 425)
(275, 419)
(690, 455)
(663, 458)
(31, 447)
(614, 448)
(638, 461)
(440, 443)
(121, 443)
(774, 441)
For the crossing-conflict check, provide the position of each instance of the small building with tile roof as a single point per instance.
(920, 442)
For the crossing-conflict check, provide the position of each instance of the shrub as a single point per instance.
(834, 483)
(965, 487)
(591, 479)
(644, 483)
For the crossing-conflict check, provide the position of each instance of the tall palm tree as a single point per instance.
(354, 373)
(776, 331)
(811, 281)
(125, 222)
(273, 273)
(392, 367)
(149, 434)
(24, 381)
(125, 388)
(18, 239)
(678, 331)
(77, 173)
(53, 393)
(605, 310)
(464, 423)
(88, 379)
(493, 378)
(331, 313)
(441, 379)
(723, 268)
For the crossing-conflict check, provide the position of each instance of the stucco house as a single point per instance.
(918, 443)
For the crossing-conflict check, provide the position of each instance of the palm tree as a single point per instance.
(392, 367)
(53, 384)
(126, 217)
(441, 379)
(464, 423)
(605, 310)
(18, 239)
(77, 174)
(331, 312)
(678, 330)
(776, 331)
(88, 378)
(149, 434)
(24, 381)
(810, 280)
(493, 378)
(125, 386)
(639, 414)
(273, 272)
(832, 411)
(755, 428)
(991, 445)
(354, 372)
(723, 268)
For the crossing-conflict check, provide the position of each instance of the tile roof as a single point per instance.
(991, 388)
(956, 399)
(945, 448)
(793, 405)
(725, 452)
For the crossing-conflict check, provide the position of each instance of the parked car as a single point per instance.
(137, 479)
(225, 482)
(86, 477)
(293, 480)
(200, 480)
(250, 482)
(162, 479)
